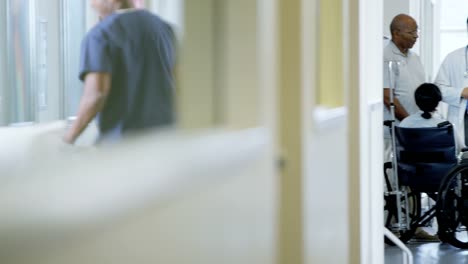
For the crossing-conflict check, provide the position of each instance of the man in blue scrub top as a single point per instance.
(127, 63)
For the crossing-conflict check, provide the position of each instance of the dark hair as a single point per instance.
(427, 97)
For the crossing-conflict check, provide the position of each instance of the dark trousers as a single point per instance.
(466, 128)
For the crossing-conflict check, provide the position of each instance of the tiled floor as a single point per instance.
(428, 253)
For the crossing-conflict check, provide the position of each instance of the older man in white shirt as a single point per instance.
(452, 80)
(407, 78)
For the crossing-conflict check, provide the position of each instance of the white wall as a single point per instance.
(235, 80)
(391, 9)
(171, 10)
(451, 25)
(326, 196)
(3, 58)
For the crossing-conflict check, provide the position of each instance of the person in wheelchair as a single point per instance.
(427, 98)
(426, 160)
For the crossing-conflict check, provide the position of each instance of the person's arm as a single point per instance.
(450, 94)
(464, 93)
(96, 90)
(400, 111)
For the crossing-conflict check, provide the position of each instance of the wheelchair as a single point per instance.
(452, 205)
(425, 161)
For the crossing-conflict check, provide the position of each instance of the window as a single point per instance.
(40, 55)
(19, 97)
(73, 20)
(453, 31)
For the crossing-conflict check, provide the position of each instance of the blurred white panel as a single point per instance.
(327, 229)
(184, 183)
(450, 41)
(453, 13)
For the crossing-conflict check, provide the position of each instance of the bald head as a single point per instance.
(401, 22)
(404, 31)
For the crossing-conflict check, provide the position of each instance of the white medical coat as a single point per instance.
(451, 82)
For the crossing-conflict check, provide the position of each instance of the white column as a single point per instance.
(391, 9)
(364, 60)
(196, 66)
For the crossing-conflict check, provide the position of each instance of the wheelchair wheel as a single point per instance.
(452, 206)
(413, 207)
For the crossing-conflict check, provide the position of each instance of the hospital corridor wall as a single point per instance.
(273, 160)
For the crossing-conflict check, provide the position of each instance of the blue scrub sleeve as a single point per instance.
(95, 56)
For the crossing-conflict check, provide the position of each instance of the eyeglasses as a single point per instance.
(413, 33)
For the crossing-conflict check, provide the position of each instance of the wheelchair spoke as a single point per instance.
(410, 206)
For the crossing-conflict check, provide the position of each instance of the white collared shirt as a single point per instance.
(416, 120)
(408, 77)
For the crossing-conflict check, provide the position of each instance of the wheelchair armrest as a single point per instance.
(388, 165)
(463, 157)
(388, 123)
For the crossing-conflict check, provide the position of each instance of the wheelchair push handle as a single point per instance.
(444, 124)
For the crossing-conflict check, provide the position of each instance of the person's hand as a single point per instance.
(465, 93)
(67, 138)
